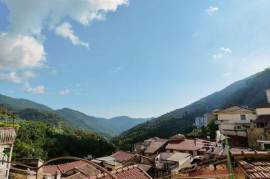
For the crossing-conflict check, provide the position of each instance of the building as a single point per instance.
(76, 170)
(17, 171)
(259, 133)
(173, 161)
(130, 172)
(233, 122)
(123, 157)
(178, 143)
(203, 121)
(108, 162)
(7, 139)
(151, 147)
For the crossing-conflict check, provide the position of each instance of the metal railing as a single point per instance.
(7, 135)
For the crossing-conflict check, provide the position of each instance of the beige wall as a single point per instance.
(231, 124)
(235, 117)
(262, 111)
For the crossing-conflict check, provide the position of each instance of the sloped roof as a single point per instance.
(63, 168)
(109, 160)
(154, 146)
(185, 145)
(178, 137)
(235, 110)
(121, 156)
(130, 172)
(256, 169)
(178, 156)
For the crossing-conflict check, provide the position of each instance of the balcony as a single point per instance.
(7, 135)
(239, 132)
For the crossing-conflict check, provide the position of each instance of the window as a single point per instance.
(243, 117)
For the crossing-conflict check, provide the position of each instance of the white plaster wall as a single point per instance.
(262, 111)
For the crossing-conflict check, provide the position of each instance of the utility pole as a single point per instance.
(229, 162)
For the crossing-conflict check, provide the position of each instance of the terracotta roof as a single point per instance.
(130, 172)
(122, 156)
(256, 169)
(154, 146)
(236, 110)
(63, 168)
(186, 145)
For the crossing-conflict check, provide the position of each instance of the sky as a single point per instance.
(129, 57)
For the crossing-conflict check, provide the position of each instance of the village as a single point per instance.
(238, 151)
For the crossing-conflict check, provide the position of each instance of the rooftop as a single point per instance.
(154, 146)
(122, 156)
(130, 172)
(235, 110)
(185, 145)
(255, 169)
(63, 168)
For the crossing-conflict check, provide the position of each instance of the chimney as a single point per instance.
(268, 95)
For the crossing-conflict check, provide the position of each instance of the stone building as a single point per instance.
(7, 139)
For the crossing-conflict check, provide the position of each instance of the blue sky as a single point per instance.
(138, 58)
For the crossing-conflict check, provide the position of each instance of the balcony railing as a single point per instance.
(7, 135)
(239, 132)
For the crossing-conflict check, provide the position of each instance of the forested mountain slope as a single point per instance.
(247, 92)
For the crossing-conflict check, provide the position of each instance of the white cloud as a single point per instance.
(16, 77)
(64, 92)
(40, 89)
(20, 52)
(222, 53)
(21, 47)
(211, 10)
(30, 16)
(65, 30)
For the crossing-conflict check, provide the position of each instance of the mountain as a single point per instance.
(112, 127)
(15, 104)
(123, 123)
(33, 111)
(247, 92)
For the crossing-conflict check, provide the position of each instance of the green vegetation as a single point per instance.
(29, 110)
(37, 139)
(209, 130)
(248, 92)
(41, 140)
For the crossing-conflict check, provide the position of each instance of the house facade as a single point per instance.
(259, 133)
(203, 121)
(235, 120)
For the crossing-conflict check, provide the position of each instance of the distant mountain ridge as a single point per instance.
(16, 104)
(247, 92)
(30, 110)
(113, 126)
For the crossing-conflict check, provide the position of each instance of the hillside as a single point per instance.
(112, 127)
(33, 111)
(42, 140)
(15, 104)
(247, 92)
